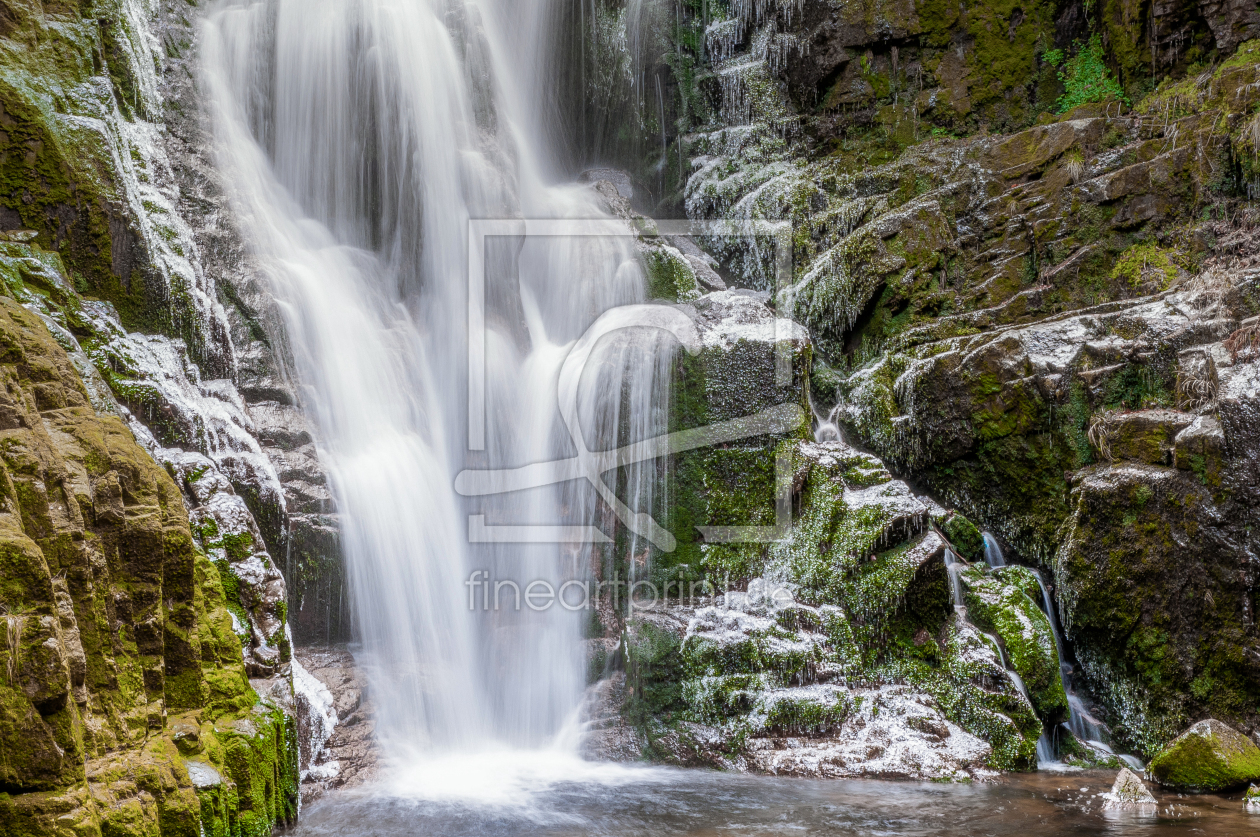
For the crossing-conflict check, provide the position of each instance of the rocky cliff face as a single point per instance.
(1024, 248)
(122, 658)
(158, 458)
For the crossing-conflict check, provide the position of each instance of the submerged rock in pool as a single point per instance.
(1129, 794)
(1210, 756)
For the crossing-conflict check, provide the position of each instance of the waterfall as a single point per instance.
(358, 138)
(952, 568)
(1087, 729)
(1081, 723)
(993, 552)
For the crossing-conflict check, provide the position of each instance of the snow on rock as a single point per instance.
(893, 731)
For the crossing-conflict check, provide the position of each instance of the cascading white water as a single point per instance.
(952, 569)
(1080, 722)
(993, 551)
(358, 137)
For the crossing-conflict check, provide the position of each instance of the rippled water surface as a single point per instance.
(547, 797)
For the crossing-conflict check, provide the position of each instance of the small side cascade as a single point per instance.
(1087, 729)
(827, 431)
(992, 551)
(1045, 747)
(952, 568)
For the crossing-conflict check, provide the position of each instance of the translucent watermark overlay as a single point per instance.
(488, 593)
(590, 465)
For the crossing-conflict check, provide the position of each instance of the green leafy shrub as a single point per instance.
(1085, 75)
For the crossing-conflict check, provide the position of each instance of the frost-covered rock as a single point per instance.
(349, 754)
(891, 732)
(1130, 794)
(225, 528)
(749, 376)
(317, 718)
(159, 384)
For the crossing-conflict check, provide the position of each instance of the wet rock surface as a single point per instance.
(1047, 324)
(349, 756)
(1130, 794)
(121, 655)
(1208, 757)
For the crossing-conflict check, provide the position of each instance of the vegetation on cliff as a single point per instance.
(120, 659)
(1024, 245)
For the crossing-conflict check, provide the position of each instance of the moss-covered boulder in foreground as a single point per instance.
(1208, 757)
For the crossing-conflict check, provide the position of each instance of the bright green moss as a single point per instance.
(1085, 75)
(1209, 757)
(1004, 603)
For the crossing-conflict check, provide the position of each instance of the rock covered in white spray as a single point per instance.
(317, 718)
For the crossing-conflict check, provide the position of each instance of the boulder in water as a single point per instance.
(1251, 802)
(1130, 794)
(1210, 756)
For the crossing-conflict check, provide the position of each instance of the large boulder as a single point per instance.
(737, 373)
(1208, 757)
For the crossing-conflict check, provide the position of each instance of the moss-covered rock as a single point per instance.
(1208, 757)
(963, 535)
(79, 167)
(1029, 326)
(715, 491)
(116, 623)
(1149, 592)
(1004, 603)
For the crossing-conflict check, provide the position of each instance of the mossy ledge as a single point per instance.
(120, 665)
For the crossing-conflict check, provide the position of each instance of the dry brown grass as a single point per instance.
(1244, 344)
(1208, 289)
(1102, 430)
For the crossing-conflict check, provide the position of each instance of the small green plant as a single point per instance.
(1085, 75)
(1146, 268)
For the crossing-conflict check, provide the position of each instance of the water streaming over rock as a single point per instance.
(1080, 722)
(952, 568)
(993, 551)
(358, 138)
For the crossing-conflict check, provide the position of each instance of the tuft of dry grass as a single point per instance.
(1197, 384)
(1074, 165)
(1102, 430)
(1244, 344)
(1208, 289)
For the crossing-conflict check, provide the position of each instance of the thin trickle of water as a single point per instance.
(13, 625)
(992, 551)
(359, 137)
(952, 569)
(1080, 722)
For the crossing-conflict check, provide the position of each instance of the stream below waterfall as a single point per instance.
(552, 795)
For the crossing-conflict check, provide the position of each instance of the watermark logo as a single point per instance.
(485, 592)
(591, 465)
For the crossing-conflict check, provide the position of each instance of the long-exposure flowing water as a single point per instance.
(628, 802)
(360, 137)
